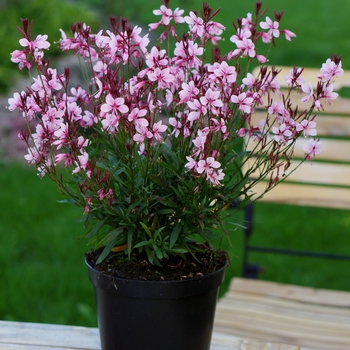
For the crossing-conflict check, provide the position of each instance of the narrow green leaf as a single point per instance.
(146, 229)
(95, 228)
(166, 211)
(143, 243)
(159, 254)
(175, 234)
(111, 235)
(105, 252)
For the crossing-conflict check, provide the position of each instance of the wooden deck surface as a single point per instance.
(34, 336)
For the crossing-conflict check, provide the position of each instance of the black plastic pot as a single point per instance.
(155, 315)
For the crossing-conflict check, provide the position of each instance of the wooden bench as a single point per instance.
(310, 318)
(324, 182)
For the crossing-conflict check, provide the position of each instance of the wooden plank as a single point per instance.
(284, 313)
(7, 346)
(338, 106)
(331, 149)
(327, 125)
(48, 336)
(230, 342)
(34, 336)
(315, 196)
(311, 173)
(292, 292)
(309, 74)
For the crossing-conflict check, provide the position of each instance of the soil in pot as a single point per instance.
(175, 268)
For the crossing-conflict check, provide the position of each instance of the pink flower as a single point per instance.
(110, 123)
(188, 91)
(21, 58)
(196, 24)
(249, 80)
(81, 163)
(308, 90)
(64, 156)
(328, 93)
(308, 127)
(16, 101)
(200, 140)
(294, 77)
(312, 149)
(113, 105)
(136, 116)
(288, 34)
(244, 102)
(53, 118)
(197, 109)
(166, 14)
(142, 133)
(187, 53)
(282, 133)
(156, 58)
(88, 119)
(33, 156)
(62, 135)
(161, 76)
(157, 129)
(240, 35)
(279, 111)
(248, 21)
(261, 59)
(219, 125)
(205, 165)
(226, 73)
(192, 164)
(329, 70)
(271, 26)
(215, 176)
(45, 85)
(177, 16)
(211, 100)
(40, 43)
(177, 126)
(247, 47)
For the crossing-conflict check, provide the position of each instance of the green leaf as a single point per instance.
(143, 243)
(179, 250)
(167, 202)
(105, 252)
(111, 235)
(159, 254)
(130, 237)
(166, 211)
(95, 229)
(175, 234)
(146, 229)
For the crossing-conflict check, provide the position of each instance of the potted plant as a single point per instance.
(152, 145)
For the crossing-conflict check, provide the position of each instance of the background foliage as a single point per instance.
(45, 281)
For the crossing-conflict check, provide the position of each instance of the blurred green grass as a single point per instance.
(41, 257)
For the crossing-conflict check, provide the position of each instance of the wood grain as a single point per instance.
(310, 318)
(35, 336)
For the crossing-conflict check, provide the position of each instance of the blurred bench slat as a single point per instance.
(311, 318)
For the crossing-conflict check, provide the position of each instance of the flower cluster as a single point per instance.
(152, 138)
